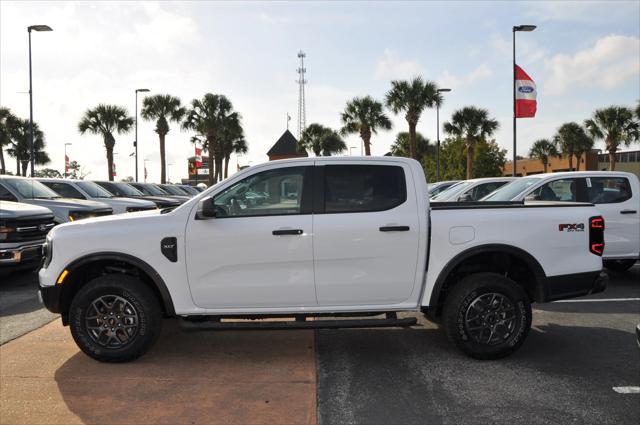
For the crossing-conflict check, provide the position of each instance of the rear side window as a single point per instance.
(363, 188)
(65, 190)
(608, 190)
(483, 190)
(557, 190)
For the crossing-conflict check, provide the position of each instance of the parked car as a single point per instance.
(471, 190)
(85, 189)
(435, 188)
(174, 190)
(359, 240)
(151, 189)
(23, 228)
(30, 191)
(616, 194)
(126, 190)
(191, 190)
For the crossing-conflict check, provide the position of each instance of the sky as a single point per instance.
(583, 56)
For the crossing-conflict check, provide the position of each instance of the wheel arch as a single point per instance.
(85, 268)
(508, 260)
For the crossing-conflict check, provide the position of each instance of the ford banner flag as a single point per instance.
(526, 104)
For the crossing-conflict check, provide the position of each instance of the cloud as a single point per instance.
(390, 66)
(581, 11)
(452, 81)
(610, 62)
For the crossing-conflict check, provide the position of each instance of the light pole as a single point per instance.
(352, 147)
(65, 158)
(169, 173)
(29, 29)
(135, 142)
(527, 28)
(438, 134)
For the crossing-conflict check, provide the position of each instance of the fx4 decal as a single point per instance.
(571, 227)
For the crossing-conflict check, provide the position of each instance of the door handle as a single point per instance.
(283, 232)
(394, 229)
(628, 212)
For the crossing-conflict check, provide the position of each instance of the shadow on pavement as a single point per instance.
(562, 374)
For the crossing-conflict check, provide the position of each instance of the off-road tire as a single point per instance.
(462, 303)
(138, 296)
(619, 265)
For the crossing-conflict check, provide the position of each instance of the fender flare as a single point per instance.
(532, 263)
(157, 280)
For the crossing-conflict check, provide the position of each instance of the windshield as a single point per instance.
(190, 189)
(94, 190)
(511, 190)
(120, 189)
(149, 189)
(453, 191)
(31, 189)
(173, 190)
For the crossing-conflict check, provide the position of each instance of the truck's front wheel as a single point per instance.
(115, 318)
(487, 316)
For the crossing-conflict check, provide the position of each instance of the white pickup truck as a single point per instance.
(339, 240)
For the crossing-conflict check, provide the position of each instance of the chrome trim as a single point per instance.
(17, 253)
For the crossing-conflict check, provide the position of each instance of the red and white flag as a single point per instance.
(198, 158)
(526, 104)
(66, 164)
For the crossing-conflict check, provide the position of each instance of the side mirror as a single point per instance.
(208, 209)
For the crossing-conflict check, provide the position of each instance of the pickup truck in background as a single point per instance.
(31, 191)
(23, 229)
(615, 194)
(126, 190)
(341, 240)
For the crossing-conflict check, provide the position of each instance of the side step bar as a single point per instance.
(391, 321)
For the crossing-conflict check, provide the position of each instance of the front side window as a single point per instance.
(272, 192)
(556, 190)
(63, 189)
(363, 188)
(608, 190)
(482, 190)
(5, 195)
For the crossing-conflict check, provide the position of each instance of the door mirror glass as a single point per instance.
(208, 209)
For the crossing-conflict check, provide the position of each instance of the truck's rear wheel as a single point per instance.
(487, 316)
(619, 265)
(115, 318)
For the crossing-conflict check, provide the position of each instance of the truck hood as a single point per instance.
(109, 223)
(130, 202)
(72, 204)
(20, 210)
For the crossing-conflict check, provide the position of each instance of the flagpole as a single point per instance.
(513, 92)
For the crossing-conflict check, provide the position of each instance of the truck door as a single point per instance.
(258, 251)
(614, 198)
(366, 232)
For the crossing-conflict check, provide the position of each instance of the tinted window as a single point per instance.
(31, 189)
(272, 192)
(556, 190)
(484, 189)
(360, 188)
(608, 190)
(93, 189)
(5, 195)
(65, 190)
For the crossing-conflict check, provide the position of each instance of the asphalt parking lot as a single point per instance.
(575, 356)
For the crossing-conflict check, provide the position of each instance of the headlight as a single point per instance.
(47, 251)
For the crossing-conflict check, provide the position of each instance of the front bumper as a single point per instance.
(31, 253)
(50, 297)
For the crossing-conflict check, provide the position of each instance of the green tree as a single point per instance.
(321, 140)
(473, 124)
(20, 148)
(209, 117)
(105, 120)
(401, 146)
(489, 160)
(364, 115)
(571, 140)
(542, 150)
(76, 171)
(412, 97)
(233, 141)
(48, 173)
(162, 108)
(616, 126)
(8, 121)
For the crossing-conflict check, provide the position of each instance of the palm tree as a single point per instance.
(542, 150)
(615, 125)
(20, 148)
(105, 120)
(571, 139)
(401, 145)
(322, 140)
(7, 123)
(209, 117)
(412, 97)
(233, 141)
(364, 115)
(162, 108)
(473, 124)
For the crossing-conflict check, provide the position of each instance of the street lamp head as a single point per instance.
(443, 90)
(142, 90)
(524, 28)
(68, 144)
(39, 28)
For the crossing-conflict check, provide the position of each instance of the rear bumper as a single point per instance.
(575, 285)
(19, 255)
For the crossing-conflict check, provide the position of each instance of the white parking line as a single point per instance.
(595, 300)
(627, 390)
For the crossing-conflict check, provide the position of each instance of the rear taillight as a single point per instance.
(596, 235)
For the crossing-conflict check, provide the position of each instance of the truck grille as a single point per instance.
(27, 229)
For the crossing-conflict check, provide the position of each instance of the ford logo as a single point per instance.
(42, 227)
(526, 89)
